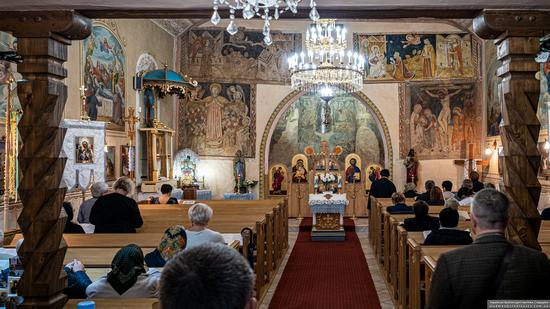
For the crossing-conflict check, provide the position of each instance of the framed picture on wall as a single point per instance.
(110, 163)
(84, 149)
(126, 161)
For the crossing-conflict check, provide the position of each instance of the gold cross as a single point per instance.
(131, 119)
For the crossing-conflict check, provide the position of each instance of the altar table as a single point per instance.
(328, 216)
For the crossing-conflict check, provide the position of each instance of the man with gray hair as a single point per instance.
(97, 189)
(491, 267)
(200, 215)
(207, 276)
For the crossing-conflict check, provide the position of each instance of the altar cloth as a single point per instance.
(318, 203)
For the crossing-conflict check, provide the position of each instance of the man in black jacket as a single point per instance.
(421, 221)
(491, 267)
(383, 187)
(448, 233)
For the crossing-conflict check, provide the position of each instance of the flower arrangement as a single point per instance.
(327, 178)
(250, 183)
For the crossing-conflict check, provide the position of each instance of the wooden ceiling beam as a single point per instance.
(340, 13)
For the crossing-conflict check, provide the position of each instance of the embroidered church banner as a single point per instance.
(401, 57)
(439, 120)
(218, 119)
(104, 77)
(213, 54)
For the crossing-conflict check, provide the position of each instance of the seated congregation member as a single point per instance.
(545, 214)
(173, 241)
(207, 276)
(466, 190)
(448, 233)
(421, 221)
(476, 184)
(70, 226)
(447, 187)
(491, 267)
(410, 190)
(490, 185)
(399, 206)
(428, 185)
(452, 203)
(115, 212)
(383, 187)
(127, 278)
(436, 197)
(97, 190)
(200, 215)
(467, 198)
(77, 280)
(166, 197)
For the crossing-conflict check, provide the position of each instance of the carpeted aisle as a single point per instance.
(326, 274)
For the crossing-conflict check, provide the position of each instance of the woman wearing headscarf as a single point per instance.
(128, 277)
(173, 241)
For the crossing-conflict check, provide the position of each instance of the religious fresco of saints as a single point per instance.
(494, 115)
(354, 128)
(413, 56)
(213, 54)
(219, 119)
(439, 120)
(84, 147)
(104, 67)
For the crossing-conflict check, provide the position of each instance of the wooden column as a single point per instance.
(43, 38)
(516, 34)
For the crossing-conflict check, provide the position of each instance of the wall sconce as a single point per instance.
(500, 150)
(546, 145)
(105, 149)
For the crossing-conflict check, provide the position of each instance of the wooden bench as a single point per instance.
(430, 262)
(127, 303)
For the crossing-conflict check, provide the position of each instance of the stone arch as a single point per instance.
(292, 97)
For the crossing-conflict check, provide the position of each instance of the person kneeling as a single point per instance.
(448, 233)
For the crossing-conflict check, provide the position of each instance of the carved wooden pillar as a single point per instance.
(42, 41)
(516, 35)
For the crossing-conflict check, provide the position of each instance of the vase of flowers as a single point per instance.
(250, 184)
(327, 179)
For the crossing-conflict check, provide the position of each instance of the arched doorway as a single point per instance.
(356, 124)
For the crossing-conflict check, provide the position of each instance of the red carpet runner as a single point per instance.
(329, 275)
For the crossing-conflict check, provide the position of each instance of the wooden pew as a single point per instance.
(430, 262)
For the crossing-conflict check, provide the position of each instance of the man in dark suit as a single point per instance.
(491, 267)
(428, 185)
(421, 221)
(477, 185)
(383, 187)
(448, 233)
(399, 206)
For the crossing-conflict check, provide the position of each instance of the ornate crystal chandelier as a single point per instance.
(326, 64)
(262, 9)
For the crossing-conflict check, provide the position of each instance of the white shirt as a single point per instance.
(448, 194)
(146, 286)
(197, 238)
(467, 201)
